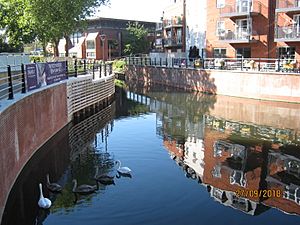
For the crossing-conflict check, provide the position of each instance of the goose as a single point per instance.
(103, 178)
(122, 170)
(84, 188)
(54, 187)
(44, 203)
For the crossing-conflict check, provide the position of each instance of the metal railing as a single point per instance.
(173, 22)
(239, 64)
(288, 32)
(13, 78)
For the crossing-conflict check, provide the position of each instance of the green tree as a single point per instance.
(135, 41)
(15, 19)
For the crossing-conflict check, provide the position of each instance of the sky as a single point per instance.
(141, 10)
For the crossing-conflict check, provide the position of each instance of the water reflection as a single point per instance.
(237, 161)
(72, 153)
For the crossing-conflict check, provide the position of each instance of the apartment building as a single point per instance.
(287, 28)
(240, 28)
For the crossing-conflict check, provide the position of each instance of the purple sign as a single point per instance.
(55, 72)
(31, 76)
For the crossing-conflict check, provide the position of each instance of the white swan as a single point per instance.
(44, 203)
(122, 170)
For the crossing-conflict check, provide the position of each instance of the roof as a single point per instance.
(92, 36)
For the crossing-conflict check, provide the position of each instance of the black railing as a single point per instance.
(240, 64)
(13, 77)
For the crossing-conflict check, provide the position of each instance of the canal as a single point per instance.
(195, 159)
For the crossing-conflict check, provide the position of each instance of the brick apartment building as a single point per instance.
(240, 28)
(103, 38)
(253, 29)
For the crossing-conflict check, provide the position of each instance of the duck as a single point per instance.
(122, 170)
(54, 187)
(84, 188)
(103, 178)
(43, 202)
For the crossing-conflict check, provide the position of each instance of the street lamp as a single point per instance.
(102, 37)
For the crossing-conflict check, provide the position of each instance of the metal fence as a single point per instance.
(13, 77)
(241, 64)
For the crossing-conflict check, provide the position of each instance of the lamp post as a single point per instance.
(102, 37)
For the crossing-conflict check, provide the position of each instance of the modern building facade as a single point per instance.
(287, 28)
(103, 38)
(240, 28)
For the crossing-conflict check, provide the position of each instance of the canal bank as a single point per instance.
(271, 86)
(31, 119)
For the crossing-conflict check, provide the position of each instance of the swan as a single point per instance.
(44, 203)
(122, 170)
(54, 187)
(103, 179)
(84, 188)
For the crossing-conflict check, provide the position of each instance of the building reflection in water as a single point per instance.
(226, 156)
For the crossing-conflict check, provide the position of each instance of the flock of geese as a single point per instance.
(104, 179)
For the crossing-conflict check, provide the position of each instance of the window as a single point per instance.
(90, 54)
(297, 24)
(90, 44)
(220, 31)
(243, 28)
(243, 6)
(220, 4)
(286, 52)
(243, 53)
(219, 53)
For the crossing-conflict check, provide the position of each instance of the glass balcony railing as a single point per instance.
(288, 6)
(173, 22)
(241, 9)
(235, 36)
(288, 33)
(170, 42)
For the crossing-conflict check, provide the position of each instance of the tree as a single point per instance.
(16, 22)
(136, 39)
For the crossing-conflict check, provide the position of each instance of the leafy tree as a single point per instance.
(16, 21)
(136, 39)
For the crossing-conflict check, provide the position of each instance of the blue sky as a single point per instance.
(143, 10)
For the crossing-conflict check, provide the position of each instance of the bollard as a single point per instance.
(10, 83)
(23, 79)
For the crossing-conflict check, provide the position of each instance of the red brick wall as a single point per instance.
(25, 126)
(268, 86)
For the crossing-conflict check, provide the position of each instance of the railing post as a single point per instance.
(242, 64)
(172, 62)
(155, 61)
(84, 66)
(278, 65)
(160, 61)
(186, 63)
(105, 69)
(23, 78)
(93, 69)
(67, 71)
(259, 64)
(166, 62)
(75, 68)
(10, 83)
(100, 70)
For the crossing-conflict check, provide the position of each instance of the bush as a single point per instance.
(35, 58)
(119, 66)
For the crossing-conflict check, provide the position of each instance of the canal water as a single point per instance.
(195, 159)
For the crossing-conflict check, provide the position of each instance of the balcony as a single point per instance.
(236, 37)
(288, 34)
(241, 9)
(158, 27)
(172, 42)
(176, 22)
(288, 6)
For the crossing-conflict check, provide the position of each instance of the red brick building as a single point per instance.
(241, 28)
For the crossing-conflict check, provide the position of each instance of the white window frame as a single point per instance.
(240, 4)
(296, 20)
(242, 32)
(220, 4)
